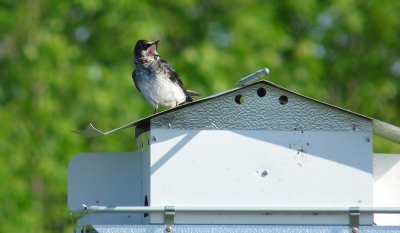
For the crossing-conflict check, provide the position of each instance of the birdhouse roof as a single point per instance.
(259, 105)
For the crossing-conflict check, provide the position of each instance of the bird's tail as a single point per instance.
(190, 94)
(193, 93)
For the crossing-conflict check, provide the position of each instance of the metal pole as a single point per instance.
(269, 210)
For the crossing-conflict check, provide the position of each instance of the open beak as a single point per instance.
(153, 48)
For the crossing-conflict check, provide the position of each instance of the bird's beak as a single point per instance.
(153, 48)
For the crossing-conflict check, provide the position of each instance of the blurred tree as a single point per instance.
(66, 63)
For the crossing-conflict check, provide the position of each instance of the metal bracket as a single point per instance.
(354, 219)
(169, 218)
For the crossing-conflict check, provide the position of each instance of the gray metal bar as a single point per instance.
(386, 130)
(274, 210)
(202, 228)
(252, 77)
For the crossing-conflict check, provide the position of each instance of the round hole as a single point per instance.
(283, 99)
(261, 92)
(239, 99)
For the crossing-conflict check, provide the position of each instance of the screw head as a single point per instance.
(168, 228)
(154, 138)
(354, 230)
(264, 173)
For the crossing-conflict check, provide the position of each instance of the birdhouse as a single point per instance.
(253, 147)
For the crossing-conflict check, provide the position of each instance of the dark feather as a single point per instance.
(134, 80)
(174, 77)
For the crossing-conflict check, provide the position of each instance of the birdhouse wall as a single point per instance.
(261, 168)
(261, 145)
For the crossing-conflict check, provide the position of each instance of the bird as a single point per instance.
(156, 79)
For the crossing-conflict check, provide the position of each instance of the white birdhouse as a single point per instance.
(256, 146)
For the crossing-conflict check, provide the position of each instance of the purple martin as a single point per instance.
(156, 79)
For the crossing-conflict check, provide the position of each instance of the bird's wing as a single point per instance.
(134, 80)
(174, 77)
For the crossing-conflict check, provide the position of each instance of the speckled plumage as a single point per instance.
(156, 79)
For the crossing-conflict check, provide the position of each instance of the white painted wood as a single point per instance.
(227, 168)
(110, 179)
(387, 187)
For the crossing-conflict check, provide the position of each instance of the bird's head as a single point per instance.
(145, 50)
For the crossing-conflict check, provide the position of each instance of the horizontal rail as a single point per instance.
(240, 210)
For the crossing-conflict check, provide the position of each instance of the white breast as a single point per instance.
(160, 90)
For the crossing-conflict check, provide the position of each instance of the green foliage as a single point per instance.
(66, 63)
